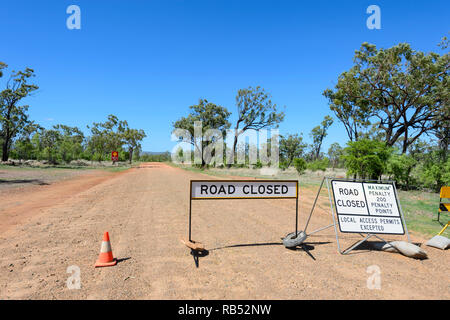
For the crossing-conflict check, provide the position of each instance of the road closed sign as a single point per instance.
(240, 189)
(363, 207)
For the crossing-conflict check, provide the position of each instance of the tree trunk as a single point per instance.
(444, 143)
(405, 142)
(5, 147)
(5, 151)
(233, 150)
(236, 135)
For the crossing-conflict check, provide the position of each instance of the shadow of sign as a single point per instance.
(308, 247)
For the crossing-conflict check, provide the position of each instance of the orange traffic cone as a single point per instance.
(105, 259)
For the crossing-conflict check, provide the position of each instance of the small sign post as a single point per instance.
(241, 189)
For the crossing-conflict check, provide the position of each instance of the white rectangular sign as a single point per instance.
(240, 189)
(381, 200)
(364, 207)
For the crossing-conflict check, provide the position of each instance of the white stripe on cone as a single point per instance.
(106, 247)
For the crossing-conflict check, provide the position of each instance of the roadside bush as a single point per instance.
(434, 174)
(399, 167)
(300, 165)
(283, 165)
(446, 174)
(366, 158)
(257, 165)
(318, 165)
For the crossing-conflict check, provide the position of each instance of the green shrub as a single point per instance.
(318, 165)
(366, 158)
(257, 165)
(283, 165)
(300, 165)
(399, 167)
(446, 173)
(434, 174)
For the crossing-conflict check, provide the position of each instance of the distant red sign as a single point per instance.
(114, 156)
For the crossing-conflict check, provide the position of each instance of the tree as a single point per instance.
(2, 66)
(318, 134)
(255, 111)
(441, 126)
(300, 165)
(321, 164)
(402, 91)
(366, 158)
(50, 140)
(335, 152)
(133, 138)
(211, 116)
(399, 167)
(70, 144)
(106, 137)
(353, 115)
(291, 147)
(14, 118)
(23, 147)
(432, 172)
(442, 133)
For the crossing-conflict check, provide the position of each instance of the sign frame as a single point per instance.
(242, 198)
(368, 215)
(368, 235)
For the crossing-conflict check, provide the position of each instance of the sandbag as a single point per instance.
(439, 242)
(409, 249)
(405, 248)
(382, 246)
(389, 248)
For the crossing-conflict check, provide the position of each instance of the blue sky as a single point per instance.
(148, 61)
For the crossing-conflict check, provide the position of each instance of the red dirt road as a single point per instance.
(44, 230)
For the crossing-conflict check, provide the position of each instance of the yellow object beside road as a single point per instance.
(444, 206)
(443, 229)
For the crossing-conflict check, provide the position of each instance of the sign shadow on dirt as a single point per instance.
(198, 254)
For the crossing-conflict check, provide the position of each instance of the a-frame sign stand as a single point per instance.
(398, 219)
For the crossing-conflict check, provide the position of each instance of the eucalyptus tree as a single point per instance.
(13, 116)
(401, 91)
(211, 116)
(291, 146)
(132, 138)
(256, 111)
(319, 133)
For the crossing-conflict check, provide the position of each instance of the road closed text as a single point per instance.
(243, 189)
(351, 203)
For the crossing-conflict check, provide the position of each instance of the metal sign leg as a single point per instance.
(314, 204)
(332, 216)
(357, 244)
(190, 218)
(296, 216)
(401, 212)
